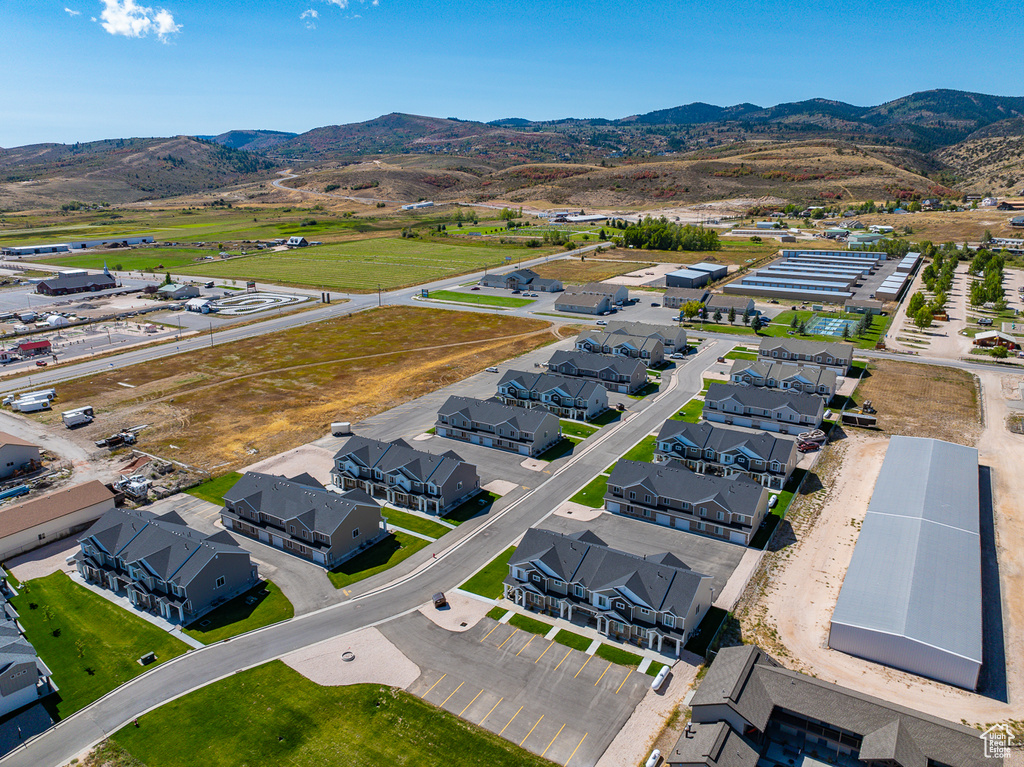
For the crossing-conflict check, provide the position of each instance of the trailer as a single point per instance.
(32, 405)
(859, 419)
(50, 394)
(74, 418)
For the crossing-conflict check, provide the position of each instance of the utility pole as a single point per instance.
(211, 335)
(379, 299)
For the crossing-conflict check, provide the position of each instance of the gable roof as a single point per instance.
(73, 281)
(390, 456)
(784, 371)
(585, 300)
(704, 435)
(493, 413)
(614, 340)
(10, 439)
(586, 559)
(46, 508)
(764, 398)
(313, 508)
(595, 363)
(542, 383)
(663, 333)
(841, 351)
(739, 494)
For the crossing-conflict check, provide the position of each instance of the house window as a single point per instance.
(291, 529)
(42, 536)
(602, 602)
(632, 495)
(577, 590)
(355, 533)
(720, 516)
(703, 511)
(458, 486)
(220, 582)
(647, 499)
(670, 621)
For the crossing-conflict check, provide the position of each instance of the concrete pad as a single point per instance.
(652, 275)
(461, 614)
(578, 511)
(534, 465)
(500, 487)
(634, 741)
(310, 459)
(422, 437)
(738, 580)
(44, 561)
(377, 661)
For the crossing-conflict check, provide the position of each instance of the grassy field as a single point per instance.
(593, 494)
(270, 393)
(576, 429)
(691, 411)
(573, 271)
(271, 715)
(90, 644)
(238, 616)
(382, 556)
(414, 522)
(487, 581)
(213, 489)
(479, 298)
(923, 400)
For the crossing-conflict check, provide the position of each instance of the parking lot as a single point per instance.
(554, 701)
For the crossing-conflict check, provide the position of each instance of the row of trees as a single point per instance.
(660, 234)
(989, 289)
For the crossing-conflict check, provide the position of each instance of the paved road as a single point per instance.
(376, 600)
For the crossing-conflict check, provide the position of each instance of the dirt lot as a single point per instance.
(788, 607)
(572, 271)
(946, 226)
(923, 401)
(222, 408)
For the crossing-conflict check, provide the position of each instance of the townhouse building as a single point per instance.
(526, 431)
(785, 412)
(566, 397)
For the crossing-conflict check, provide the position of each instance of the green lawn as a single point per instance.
(272, 715)
(577, 429)
(478, 298)
(239, 616)
(608, 416)
(593, 494)
(487, 582)
(651, 387)
(90, 644)
(618, 655)
(376, 559)
(575, 641)
(558, 450)
(691, 411)
(213, 489)
(708, 628)
(471, 508)
(735, 355)
(642, 450)
(415, 523)
(496, 613)
(532, 625)
(140, 260)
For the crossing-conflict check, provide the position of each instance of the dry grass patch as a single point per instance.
(222, 406)
(572, 271)
(924, 401)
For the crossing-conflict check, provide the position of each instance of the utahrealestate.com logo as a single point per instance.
(999, 739)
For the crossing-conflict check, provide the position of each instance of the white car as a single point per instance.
(653, 759)
(601, 322)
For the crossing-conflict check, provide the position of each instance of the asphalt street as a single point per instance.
(376, 600)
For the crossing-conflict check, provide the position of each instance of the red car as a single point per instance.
(807, 447)
(40, 363)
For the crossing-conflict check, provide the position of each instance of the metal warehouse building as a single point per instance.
(687, 278)
(912, 596)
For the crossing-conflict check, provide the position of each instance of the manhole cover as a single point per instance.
(348, 656)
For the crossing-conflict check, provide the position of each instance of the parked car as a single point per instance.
(677, 356)
(807, 447)
(516, 292)
(602, 322)
(40, 363)
(475, 287)
(985, 321)
(655, 303)
(492, 370)
(440, 600)
(721, 359)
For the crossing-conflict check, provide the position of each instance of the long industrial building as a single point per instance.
(912, 596)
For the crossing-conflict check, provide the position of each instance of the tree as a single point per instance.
(923, 319)
(915, 304)
(167, 279)
(846, 332)
(802, 328)
(1000, 352)
(718, 315)
(746, 316)
(795, 322)
(756, 324)
(732, 314)
(691, 308)
(987, 237)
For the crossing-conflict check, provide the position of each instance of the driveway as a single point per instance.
(560, 703)
(307, 586)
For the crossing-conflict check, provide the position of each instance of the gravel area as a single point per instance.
(738, 580)
(635, 740)
(376, 661)
(316, 461)
(461, 614)
(44, 561)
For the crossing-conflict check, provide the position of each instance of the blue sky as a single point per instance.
(80, 70)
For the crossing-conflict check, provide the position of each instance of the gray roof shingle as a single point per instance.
(767, 399)
(493, 413)
(739, 494)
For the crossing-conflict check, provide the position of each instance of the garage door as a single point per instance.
(662, 519)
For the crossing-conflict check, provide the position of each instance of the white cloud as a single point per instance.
(340, 3)
(70, 12)
(124, 17)
(309, 16)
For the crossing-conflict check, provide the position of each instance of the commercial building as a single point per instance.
(521, 279)
(687, 278)
(677, 298)
(727, 508)
(526, 431)
(402, 476)
(177, 291)
(64, 284)
(654, 601)
(786, 412)
(720, 303)
(912, 596)
(17, 456)
(580, 303)
(749, 710)
(714, 271)
(566, 397)
(299, 516)
(48, 518)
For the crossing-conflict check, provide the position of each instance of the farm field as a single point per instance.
(479, 298)
(923, 400)
(222, 406)
(137, 259)
(733, 251)
(573, 271)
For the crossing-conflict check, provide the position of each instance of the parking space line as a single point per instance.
(526, 645)
(563, 660)
(583, 666)
(553, 740)
(624, 680)
(510, 720)
(471, 702)
(550, 645)
(491, 631)
(576, 749)
(531, 730)
(514, 632)
(450, 696)
(491, 711)
(435, 684)
(602, 674)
